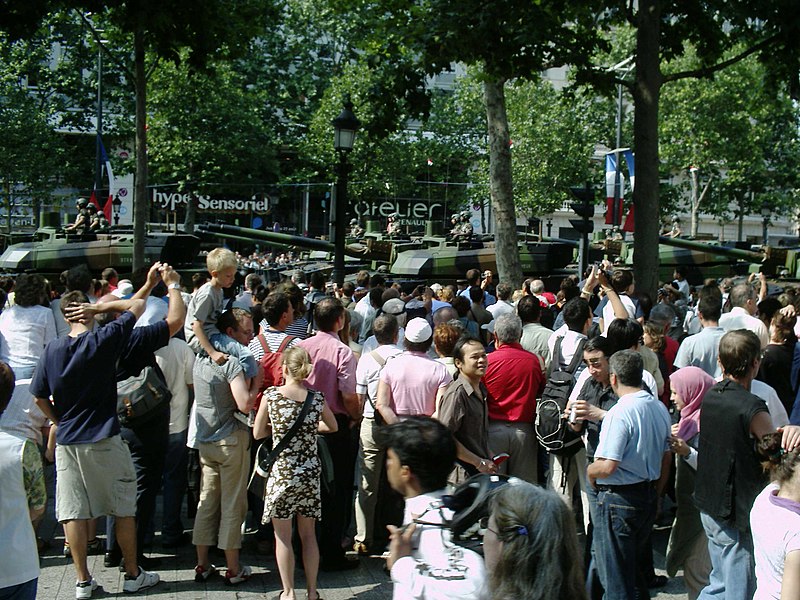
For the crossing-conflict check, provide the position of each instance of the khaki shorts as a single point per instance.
(95, 479)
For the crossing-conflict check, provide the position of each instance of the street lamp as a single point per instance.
(116, 205)
(344, 130)
(766, 211)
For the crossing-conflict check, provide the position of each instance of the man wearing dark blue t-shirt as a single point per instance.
(147, 440)
(95, 471)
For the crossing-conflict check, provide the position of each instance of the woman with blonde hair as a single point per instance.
(530, 546)
(293, 484)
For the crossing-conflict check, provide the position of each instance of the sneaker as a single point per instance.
(145, 580)
(245, 571)
(84, 589)
(202, 574)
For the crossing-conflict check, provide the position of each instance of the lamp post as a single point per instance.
(766, 211)
(344, 129)
(116, 204)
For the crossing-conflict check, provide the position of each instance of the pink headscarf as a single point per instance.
(691, 384)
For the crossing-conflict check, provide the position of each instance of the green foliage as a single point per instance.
(42, 91)
(206, 127)
(738, 132)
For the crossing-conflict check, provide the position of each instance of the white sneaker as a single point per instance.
(84, 589)
(142, 582)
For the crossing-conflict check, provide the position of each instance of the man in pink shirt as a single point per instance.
(334, 374)
(412, 383)
(514, 379)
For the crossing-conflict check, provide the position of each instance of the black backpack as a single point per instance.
(552, 429)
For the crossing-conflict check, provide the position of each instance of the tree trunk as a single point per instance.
(695, 202)
(646, 93)
(500, 183)
(141, 205)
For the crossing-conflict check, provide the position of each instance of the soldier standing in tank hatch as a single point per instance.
(455, 223)
(356, 230)
(82, 220)
(99, 222)
(393, 227)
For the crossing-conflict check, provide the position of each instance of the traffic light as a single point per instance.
(584, 209)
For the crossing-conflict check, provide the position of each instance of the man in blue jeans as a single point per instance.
(631, 459)
(729, 474)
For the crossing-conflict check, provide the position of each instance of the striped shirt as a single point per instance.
(274, 339)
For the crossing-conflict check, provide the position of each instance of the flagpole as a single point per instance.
(98, 173)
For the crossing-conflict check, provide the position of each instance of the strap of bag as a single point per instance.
(267, 463)
(577, 357)
(556, 358)
(263, 341)
(381, 363)
(286, 341)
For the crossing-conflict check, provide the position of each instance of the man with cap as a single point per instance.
(397, 308)
(412, 383)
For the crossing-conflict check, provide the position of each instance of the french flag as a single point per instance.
(112, 189)
(611, 175)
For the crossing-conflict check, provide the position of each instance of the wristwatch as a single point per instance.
(174, 286)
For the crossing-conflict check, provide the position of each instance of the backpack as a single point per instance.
(271, 364)
(552, 429)
(141, 397)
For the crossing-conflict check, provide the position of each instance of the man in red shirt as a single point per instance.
(514, 379)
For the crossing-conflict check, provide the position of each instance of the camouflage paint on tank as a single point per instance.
(54, 251)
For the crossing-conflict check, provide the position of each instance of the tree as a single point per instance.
(505, 40)
(211, 28)
(733, 134)
(664, 31)
(39, 94)
(206, 130)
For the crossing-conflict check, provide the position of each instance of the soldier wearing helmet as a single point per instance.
(99, 222)
(455, 225)
(393, 227)
(356, 230)
(82, 220)
(466, 227)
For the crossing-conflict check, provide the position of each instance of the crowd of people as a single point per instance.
(347, 416)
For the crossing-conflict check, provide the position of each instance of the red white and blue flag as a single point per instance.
(106, 207)
(611, 194)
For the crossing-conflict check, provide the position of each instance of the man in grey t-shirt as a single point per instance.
(223, 440)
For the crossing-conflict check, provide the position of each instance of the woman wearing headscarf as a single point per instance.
(688, 545)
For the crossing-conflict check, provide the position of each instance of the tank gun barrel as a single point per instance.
(279, 239)
(746, 255)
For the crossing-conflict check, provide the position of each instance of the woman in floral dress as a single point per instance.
(293, 485)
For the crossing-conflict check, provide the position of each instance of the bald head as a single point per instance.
(444, 314)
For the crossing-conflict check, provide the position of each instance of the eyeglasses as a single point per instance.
(594, 362)
(484, 524)
(518, 529)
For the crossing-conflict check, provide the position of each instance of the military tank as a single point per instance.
(53, 250)
(703, 260)
(427, 257)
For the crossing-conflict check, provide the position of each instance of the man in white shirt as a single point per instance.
(502, 306)
(371, 455)
(423, 561)
(744, 301)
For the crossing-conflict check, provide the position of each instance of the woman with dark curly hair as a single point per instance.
(26, 327)
(530, 546)
(775, 522)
